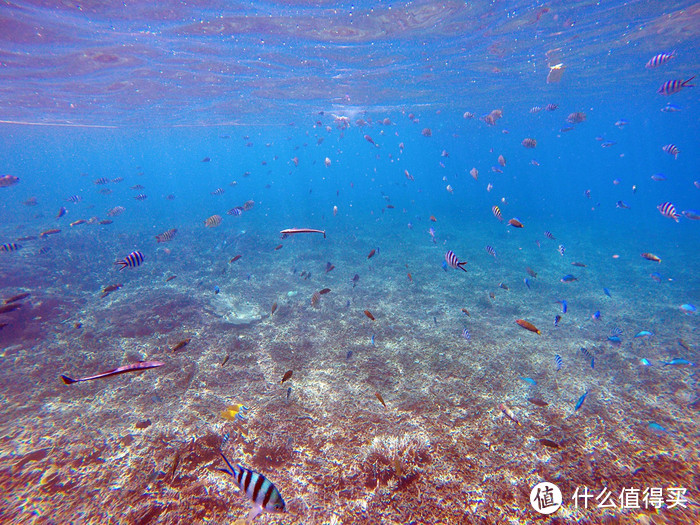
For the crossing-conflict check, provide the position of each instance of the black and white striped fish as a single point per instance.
(74, 199)
(218, 191)
(490, 250)
(166, 236)
(132, 260)
(9, 247)
(237, 211)
(497, 212)
(258, 488)
(561, 250)
(660, 59)
(549, 235)
(668, 210)
(671, 149)
(102, 180)
(453, 261)
(674, 86)
(466, 334)
(616, 331)
(558, 361)
(141, 197)
(551, 107)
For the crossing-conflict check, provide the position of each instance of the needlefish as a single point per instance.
(261, 491)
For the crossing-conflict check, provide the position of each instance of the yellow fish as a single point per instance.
(234, 412)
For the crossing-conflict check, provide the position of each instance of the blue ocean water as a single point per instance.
(353, 119)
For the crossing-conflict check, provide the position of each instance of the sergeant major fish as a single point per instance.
(261, 491)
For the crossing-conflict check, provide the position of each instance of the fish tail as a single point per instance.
(324, 231)
(227, 471)
(685, 84)
(459, 265)
(67, 380)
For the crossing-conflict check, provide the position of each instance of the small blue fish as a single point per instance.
(558, 361)
(556, 320)
(216, 290)
(348, 355)
(688, 308)
(645, 361)
(678, 362)
(615, 340)
(444, 265)
(527, 283)
(671, 108)
(372, 340)
(656, 276)
(466, 334)
(568, 278)
(596, 315)
(529, 380)
(564, 306)
(607, 292)
(580, 401)
(289, 392)
(657, 429)
(644, 333)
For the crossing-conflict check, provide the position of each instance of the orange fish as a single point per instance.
(49, 232)
(501, 160)
(369, 314)
(474, 173)
(278, 247)
(371, 254)
(651, 257)
(287, 375)
(324, 291)
(274, 308)
(432, 218)
(527, 325)
(381, 399)
(515, 223)
(410, 278)
(235, 258)
(466, 312)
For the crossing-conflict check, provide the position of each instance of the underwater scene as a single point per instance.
(349, 262)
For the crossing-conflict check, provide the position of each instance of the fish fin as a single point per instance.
(67, 380)
(254, 513)
(233, 470)
(227, 471)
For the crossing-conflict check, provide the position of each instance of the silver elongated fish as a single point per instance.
(133, 367)
(258, 488)
(292, 231)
